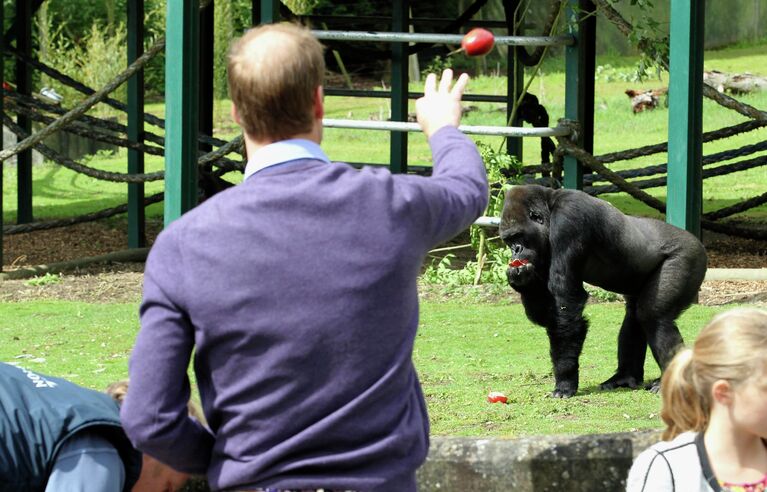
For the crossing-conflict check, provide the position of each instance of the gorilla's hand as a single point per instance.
(521, 275)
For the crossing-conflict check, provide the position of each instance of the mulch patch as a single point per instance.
(122, 283)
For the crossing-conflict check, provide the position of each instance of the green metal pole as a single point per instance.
(268, 12)
(685, 108)
(515, 81)
(587, 34)
(24, 87)
(206, 74)
(181, 99)
(399, 88)
(573, 170)
(2, 164)
(136, 215)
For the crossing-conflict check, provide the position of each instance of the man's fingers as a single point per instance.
(430, 86)
(447, 78)
(460, 86)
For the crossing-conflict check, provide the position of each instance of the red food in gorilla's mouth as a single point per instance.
(517, 263)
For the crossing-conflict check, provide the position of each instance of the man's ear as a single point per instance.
(319, 103)
(721, 392)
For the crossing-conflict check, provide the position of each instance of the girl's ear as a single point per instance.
(721, 391)
(235, 114)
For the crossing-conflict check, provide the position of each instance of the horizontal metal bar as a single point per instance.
(410, 95)
(399, 126)
(488, 221)
(406, 37)
(415, 21)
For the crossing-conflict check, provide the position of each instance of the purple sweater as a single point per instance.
(297, 291)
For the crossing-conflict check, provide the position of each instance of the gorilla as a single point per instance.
(562, 238)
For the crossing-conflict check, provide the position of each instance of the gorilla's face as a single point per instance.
(525, 230)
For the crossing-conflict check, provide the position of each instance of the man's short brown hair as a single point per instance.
(273, 72)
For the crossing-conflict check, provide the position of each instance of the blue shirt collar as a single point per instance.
(282, 152)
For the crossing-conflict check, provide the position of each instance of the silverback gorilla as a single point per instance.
(562, 238)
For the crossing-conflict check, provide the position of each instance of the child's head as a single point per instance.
(732, 348)
(119, 389)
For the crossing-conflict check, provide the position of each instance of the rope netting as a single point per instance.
(77, 122)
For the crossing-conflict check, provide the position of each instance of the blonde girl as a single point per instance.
(715, 410)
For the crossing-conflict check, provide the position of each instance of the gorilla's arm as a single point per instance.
(569, 238)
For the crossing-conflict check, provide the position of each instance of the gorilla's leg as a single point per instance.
(632, 348)
(669, 291)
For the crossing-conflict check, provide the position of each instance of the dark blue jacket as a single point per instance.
(38, 413)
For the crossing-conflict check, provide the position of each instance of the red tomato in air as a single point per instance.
(496, 397)
(478, 42)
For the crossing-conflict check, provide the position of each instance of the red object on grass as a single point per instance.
(496, 397)
(478, 42)
(517, 263)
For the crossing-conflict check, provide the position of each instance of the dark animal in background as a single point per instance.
(642, 100)
(562, 238)
(534, 113)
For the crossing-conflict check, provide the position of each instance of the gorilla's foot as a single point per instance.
(621, 381)
(564, 390)
(654, 386)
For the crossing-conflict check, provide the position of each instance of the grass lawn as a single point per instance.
(463, 351)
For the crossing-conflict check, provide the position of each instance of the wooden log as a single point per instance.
(124, 256)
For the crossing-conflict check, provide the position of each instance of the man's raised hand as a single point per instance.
(440, 106)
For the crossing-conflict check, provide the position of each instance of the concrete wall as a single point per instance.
(598, 462)
(543, 463)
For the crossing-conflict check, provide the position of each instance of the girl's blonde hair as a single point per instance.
(732, 347)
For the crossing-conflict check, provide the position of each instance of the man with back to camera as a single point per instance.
(297, 291)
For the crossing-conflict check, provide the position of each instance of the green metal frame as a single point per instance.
(181, 107)
(579, 84)
(2, 164)
(136, 214)
(24, 86)
(684, 192)
(399, 88)
(206, 74)
(515, 82)
(265, 11)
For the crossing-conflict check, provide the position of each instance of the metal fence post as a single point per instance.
(399, 87)
(573, 170)
(136, 214)
(181, 107)
(684, 194)
(24, 86)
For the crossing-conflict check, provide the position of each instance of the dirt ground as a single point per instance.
(122, 282)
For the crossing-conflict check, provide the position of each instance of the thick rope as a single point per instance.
(102, 214)
(100, 129)
(737, 208)
(569, 148)
(663, 168)
(51, 154)
(661, 181)
(711, 136)
(84, 105)
(84, 89)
